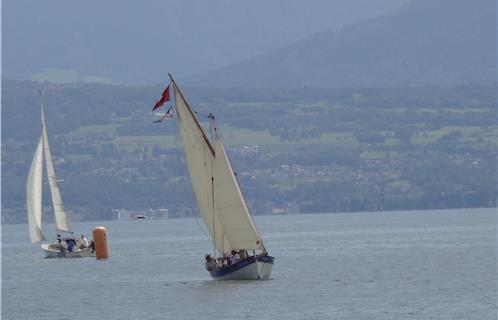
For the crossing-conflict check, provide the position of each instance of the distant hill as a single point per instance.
(305, 150)
(129, 41)
(426, 42)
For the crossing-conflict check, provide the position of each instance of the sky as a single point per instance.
(125, 41)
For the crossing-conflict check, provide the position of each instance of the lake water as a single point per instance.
(386, 265)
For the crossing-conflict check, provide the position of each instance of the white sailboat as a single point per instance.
(220, 200)
(65, 247)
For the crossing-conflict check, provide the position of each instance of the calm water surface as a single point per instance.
(386, 265)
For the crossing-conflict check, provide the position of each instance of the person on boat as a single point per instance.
(227, 260)
(210, 263)
(71, 243)
(92, 246)
(220, 262)
(84, 242)
(234, 257)
(224, 261)
(58, 243)
(243, 254)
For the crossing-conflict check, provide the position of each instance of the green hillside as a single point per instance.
(299, 150)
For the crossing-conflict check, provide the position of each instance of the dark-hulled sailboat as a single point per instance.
(219, 198)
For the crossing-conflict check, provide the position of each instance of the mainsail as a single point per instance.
(34, 194)
(218, 195)
(61, 222)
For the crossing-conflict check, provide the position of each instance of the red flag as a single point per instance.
(164, 98)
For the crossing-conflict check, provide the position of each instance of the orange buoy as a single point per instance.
(100, 241)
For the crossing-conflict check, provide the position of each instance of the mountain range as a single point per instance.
(424, 43)
(139, 42)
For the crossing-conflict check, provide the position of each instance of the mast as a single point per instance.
(61, 221)
(212, 194)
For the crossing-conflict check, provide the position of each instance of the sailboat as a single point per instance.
(64, 247)
(239, 252)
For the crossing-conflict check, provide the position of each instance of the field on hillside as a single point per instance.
(310, 151)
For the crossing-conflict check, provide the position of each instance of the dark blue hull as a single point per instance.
(253, 268)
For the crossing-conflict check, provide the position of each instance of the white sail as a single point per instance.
(218, 196)
(231, 208)
(61, 222)
(34, 194)
(199, 154)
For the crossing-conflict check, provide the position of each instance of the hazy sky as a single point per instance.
(139, 41)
